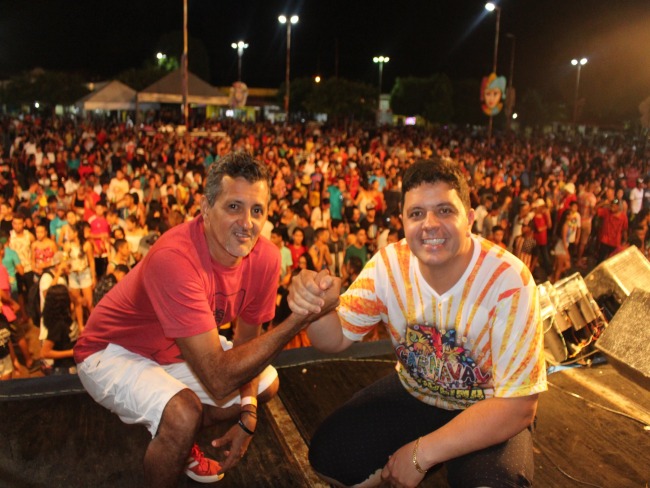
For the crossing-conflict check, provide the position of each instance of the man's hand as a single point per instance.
(315, 293)
(234, 444)
(400, 471)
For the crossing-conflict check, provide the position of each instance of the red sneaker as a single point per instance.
(201, 468)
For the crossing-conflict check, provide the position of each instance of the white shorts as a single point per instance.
(78, 280)
(137, 389)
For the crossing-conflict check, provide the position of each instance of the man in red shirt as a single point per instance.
(540, 224)
(151, 351)
(613, 227)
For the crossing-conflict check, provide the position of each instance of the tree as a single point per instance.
(407, 96)
(343, 99)
(171, 44)
(439, 107)
(49, 88)
(467, 102)
(431, 98)
(532, 109)
(141, 78)
(301, 90)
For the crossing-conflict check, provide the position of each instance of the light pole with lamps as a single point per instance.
(490, 7)
(510, 92)
(380, 60)
(579, 63)
(239, 46)
(288, 21)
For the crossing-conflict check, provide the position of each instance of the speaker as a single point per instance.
(572, 318)
(626, 341)
(612, 281)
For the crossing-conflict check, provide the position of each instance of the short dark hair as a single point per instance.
(280, 231)
(235, 164)
(319, 231)
(435, 170)
(355, 264)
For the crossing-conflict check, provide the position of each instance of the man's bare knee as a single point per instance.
(269, 392)
(182, 415)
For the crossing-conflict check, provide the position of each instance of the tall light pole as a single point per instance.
(490, 7)
(579, 63)
(239, 46)
(510, 92)
(288, 21)
(380, 60)
(184, 76)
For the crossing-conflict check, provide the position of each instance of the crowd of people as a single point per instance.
(82, 202)
(168, 270)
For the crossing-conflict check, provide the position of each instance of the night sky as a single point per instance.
(422, 37)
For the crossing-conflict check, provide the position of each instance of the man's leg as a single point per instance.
(351, 447)
(166, 456)
(140, 391)
(503, 465)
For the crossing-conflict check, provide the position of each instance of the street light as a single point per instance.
(239, 46)
(510, 92)
(288, 21)
(579, 64)
(491, 7)
(380, 60)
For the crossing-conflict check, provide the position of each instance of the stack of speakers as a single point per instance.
(573, 320)
(608, 310)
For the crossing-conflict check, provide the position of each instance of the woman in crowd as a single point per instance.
(61, 330)
(296, 246)
(43, 250)
(82, 278)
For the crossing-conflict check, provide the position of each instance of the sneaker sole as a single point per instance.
(204, 479)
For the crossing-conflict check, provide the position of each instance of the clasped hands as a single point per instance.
(312, 293)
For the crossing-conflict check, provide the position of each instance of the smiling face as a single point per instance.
(437, 229)
(233, 224)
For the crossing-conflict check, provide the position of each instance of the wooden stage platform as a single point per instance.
(592, 429)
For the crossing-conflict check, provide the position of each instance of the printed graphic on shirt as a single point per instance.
(228, 306)
(438, 364)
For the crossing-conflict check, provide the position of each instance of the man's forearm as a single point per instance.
(484, 424)
(326, 335)
(223, 372)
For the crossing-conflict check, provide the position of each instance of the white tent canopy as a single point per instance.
(169, 90)
(113, 95)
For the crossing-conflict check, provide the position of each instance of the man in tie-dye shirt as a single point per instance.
(463, 317)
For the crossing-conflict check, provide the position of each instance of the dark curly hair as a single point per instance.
(56, 312)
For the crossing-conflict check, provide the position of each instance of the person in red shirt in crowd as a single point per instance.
(613, 227)
(297, 246)
(569, 196)
(541, 223)
(100, 232)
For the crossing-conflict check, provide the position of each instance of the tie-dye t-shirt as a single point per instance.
(483, 338)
